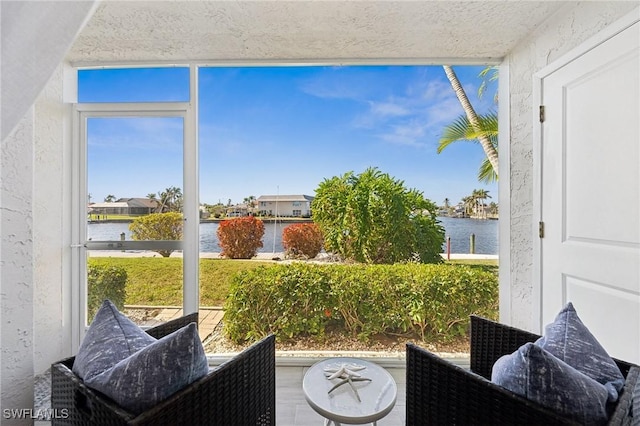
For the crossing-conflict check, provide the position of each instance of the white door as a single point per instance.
(590, 191)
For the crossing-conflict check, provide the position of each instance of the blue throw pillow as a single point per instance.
(111, 337)
(155, 372)
(539, 376)
(571, 341)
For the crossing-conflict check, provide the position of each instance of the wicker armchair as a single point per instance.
(240, 391)
(441, 393)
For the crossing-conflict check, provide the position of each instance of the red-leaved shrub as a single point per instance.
(240, 238)
(302, 240)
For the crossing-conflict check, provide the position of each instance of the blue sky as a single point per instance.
(285, 129)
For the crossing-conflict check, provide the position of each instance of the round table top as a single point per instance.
(377, 397)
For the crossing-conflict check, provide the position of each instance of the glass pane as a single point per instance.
(134, 85)
(135, 180)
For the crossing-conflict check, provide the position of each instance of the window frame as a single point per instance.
(82, 112)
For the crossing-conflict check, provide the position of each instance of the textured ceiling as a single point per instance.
(245, 31)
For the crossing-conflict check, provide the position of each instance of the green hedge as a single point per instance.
(300, 298)
(105, 282)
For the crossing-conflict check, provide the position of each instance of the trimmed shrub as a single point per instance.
(302, 240)
(287, 300)
(290, 300)
(373, 218)
(158, 226)
(240, 238)
(105, 282)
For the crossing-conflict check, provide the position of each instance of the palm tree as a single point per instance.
(488, 75)
(493, 208)
(250, 201)
(480, 195)
(109, 198)
(469, 204)
(447, 207)
(461, 130)
(490, 149)
(171, 200)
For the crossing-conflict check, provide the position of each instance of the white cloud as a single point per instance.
(388, 109)
(146, 133)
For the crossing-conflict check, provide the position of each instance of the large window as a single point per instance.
(137, 160)
(210, 143)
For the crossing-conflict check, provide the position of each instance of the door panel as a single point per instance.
(126, 155)
(590, 253)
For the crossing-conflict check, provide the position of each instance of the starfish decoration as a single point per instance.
(348, 374)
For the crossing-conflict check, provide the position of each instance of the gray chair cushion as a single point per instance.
(570, 340)
(111, 337)
(635, 408)
(155, 372)
(539, 376)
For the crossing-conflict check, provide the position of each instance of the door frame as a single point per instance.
(538, 79)
(190, 243)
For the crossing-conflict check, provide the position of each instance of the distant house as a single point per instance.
(126, 206)
(285, 205)
(239, 210)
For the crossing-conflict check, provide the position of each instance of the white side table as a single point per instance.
(377, 397)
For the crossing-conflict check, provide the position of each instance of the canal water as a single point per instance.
(460, 230)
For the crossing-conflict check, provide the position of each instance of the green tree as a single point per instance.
(479, 195)
(489, 74)
(468, 203)
(109, 198)
(490, 148)
(493, 208)
(373, 218)
(461, 130)
(171, 200)
(251, 202)
(158, 226)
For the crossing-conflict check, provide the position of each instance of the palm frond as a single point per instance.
(486, 173)
(461, 130)
(486, 80)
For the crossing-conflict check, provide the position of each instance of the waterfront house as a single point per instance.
(239, 210)
(285, 205)
(553, 245)
(126, 206)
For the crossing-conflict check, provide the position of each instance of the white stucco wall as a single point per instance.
(16, 268)
(567, 29)
(50, 222)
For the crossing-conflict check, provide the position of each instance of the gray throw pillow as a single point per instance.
(111, 337)
(539, 376)
(635, 405)
(571, 341)
(154, 373)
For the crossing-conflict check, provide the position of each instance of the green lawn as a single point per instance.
(158, 280)
(490, 265)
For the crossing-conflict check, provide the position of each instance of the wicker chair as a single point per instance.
(441, 393)
(240, 391)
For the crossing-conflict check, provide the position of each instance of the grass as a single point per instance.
(158, 280)
(490, 265)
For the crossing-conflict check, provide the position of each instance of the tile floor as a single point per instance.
(293, 410)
